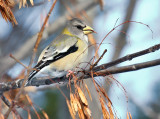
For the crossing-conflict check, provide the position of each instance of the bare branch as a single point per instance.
(128, 57)
(98, 71)
(128, 68)
(5, 100)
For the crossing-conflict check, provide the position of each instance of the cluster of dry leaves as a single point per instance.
(6, 12)
(78, 104)
(6, 9)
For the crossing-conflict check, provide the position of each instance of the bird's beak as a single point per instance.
(88, 30)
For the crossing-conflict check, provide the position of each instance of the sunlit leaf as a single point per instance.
(82, 96)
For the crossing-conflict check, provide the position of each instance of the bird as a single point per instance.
(65, 53)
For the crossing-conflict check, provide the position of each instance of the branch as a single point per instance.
(127, 57)
(37, 82)
(128, 68)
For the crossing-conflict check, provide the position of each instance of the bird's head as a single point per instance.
(77, 27)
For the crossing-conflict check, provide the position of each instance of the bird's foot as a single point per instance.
(69, 73)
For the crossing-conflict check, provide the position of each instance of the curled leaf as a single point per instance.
(82, 96)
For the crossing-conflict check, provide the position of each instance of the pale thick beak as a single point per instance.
(88, 30)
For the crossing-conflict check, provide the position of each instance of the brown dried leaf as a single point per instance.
(77, 103)
(24, 3)
(87, 112)
(88, 92)
(81, 114)
(20, 4)
(104, 110)
(73, 104)
(104, 94)
(110, 110)
(29, 114)
(82, 96)
(13, 115)
(1, 116)
(45, 114)
(127, 116)
(30, 102)
(70, 109)
(101, 3)
(6, 12)
(130, 115)
(32, 3)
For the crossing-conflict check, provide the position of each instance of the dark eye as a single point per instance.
(79, 27)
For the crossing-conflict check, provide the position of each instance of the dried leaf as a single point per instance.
(88, 92)
(81, 114)
(130, 115)
(29, 114)
(30, 102)
(6, 12)
(77, 103)
(24, 3)
(101, 3)
(13, 115)
(82, 96)
(73, 104)
(32, 3)
(45, 114)
(87, 111)
(20, 4)
(104, 94)
(104, 110)
(110, 111)
(70, 109)
(1, 116)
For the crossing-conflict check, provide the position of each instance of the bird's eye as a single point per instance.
(79, 27)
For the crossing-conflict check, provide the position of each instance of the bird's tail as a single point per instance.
(38, 67)
(31, 75)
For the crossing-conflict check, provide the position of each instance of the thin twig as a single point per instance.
(128, 57)
(128, 68)
(95, 64)
(5, 100)
(18, 61)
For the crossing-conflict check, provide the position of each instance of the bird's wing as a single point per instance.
(62, 46)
